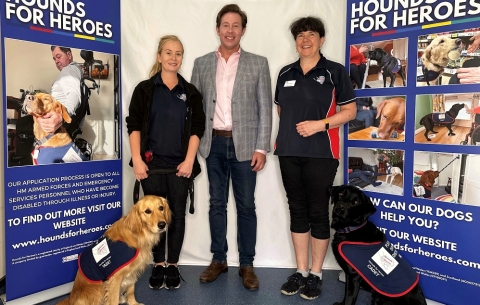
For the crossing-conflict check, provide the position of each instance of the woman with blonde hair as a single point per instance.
(165, 124)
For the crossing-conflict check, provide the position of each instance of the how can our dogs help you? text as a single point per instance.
(419, 243)
(63, 15)
(384, 15)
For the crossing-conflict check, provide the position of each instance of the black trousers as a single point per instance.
(175, 190)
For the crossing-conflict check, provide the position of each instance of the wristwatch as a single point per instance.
(327, 125)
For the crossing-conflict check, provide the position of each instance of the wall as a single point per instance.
(267, 34)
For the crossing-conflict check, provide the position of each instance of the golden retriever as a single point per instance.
(392, 116)
(56, 147)
(139, 229)
(437, 55)
(40, 105)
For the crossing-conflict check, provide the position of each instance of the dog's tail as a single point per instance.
(421, 121)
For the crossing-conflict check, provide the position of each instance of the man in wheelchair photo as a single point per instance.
(50, 136)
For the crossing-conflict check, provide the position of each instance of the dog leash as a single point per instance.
(457, 157)
(164, 171)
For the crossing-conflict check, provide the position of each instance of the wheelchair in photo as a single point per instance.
(474, 133)
(21, 142)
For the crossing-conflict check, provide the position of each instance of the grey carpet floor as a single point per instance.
(228, 289)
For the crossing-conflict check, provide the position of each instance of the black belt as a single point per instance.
(222, 133)
(165, 171)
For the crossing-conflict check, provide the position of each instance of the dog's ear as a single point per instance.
(380, 107)
(166, 210)
(333, 190)
(428, 52)
(64, 113)
(133, 220)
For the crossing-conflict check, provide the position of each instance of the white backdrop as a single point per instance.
(267, 34)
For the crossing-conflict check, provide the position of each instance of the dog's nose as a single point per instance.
(161, 225)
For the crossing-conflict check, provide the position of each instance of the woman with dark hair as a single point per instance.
(307, 94)
(165, 124)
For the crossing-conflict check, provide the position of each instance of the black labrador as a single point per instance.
(446, 119)
(390, 65)
(354, 234)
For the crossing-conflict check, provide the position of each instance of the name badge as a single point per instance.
(289, 83)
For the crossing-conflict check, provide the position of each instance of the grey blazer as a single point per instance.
(251, 103)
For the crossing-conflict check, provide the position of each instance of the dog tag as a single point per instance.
(100, 250)
(419, 71)
(289, 83)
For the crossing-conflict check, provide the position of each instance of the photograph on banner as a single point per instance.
(447, 177)
(449, 58)
(379, 118)
(47, 85)
(376, 170)
(448, 118)
(379, 64)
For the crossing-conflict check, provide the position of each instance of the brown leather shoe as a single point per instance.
(213, 271)
(250, 280)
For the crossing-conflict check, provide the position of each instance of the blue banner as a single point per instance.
(414, 145)
(55, 206)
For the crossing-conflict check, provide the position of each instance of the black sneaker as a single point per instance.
(313, 287)
(172, 279)
(294, 283)
(157, 279)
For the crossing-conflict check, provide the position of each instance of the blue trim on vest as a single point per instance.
(380, 265)
(111, 257)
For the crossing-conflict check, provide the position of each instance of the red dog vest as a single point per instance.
(104, 258)
(380, 265)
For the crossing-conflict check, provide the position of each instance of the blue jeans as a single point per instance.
(221, 165)
(362, 175)
(367, 116)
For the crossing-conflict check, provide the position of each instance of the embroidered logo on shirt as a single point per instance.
(319, 79)
(183, 97)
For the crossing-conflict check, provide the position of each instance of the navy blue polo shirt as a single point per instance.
(167, 122)
(313, 96)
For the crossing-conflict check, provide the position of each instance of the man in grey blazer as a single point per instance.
(237, 98)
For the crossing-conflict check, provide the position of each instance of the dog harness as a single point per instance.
(442, 118)
(61, 154)
(397, 67)
(104, 258)
(380, 265)
(429, 75)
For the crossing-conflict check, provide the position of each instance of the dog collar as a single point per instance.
(351, 228)
(45, 139)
